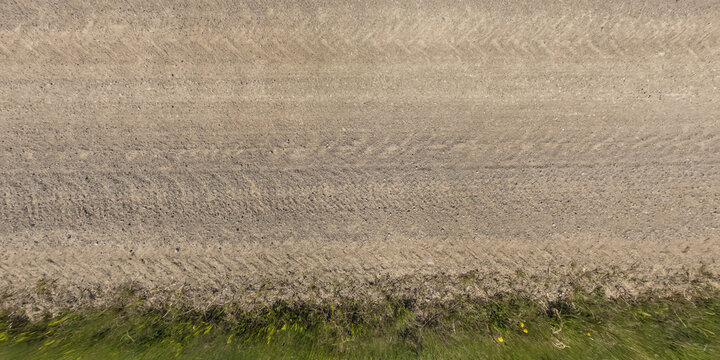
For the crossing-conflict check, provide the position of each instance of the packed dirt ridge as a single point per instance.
(249, 150)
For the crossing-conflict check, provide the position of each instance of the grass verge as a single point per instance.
(580, 327)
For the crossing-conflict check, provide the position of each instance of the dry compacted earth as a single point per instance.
(316, 150)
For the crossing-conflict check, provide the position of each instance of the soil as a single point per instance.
(313, 150)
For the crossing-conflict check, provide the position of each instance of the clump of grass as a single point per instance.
(581, 326)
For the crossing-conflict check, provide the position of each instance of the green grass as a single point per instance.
(584, 327)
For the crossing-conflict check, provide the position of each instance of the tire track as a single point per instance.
(378, 38)
(249, 150)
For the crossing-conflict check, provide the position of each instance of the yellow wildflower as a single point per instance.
(522, 325)
(525, 331)
(500, 339)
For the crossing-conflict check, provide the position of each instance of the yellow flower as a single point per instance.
(522, 325)
(525, 331)
(588, 334)
(500, 339)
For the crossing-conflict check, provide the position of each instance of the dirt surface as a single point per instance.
(311, 150)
